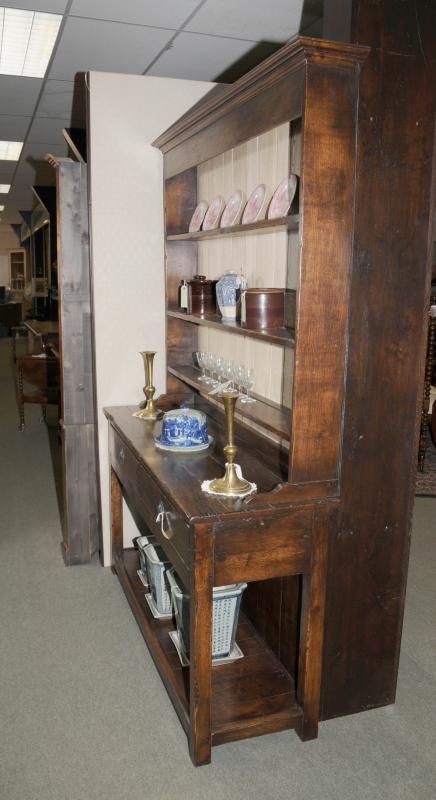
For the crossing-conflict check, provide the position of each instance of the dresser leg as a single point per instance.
(312, 632)
(200, 671)
(116, 501)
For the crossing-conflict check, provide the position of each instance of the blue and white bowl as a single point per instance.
(184, 428)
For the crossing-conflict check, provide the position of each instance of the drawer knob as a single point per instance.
(122, 457)
(163, 517)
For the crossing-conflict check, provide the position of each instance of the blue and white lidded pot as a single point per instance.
(228, 294)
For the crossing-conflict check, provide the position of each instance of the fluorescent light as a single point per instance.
(27, 39)
(2, 208)
(4, 188)
(10, 151)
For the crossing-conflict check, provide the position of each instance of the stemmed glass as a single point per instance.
(247, 381)
(228, 370)
(201, 360)
(219, 362)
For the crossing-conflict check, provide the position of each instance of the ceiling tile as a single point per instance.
(169, 14)
(7, 169)
(52, 6)
(34, 172)
(13, 129)
(38, 152)
(18, 95)
(45, 129)
(56, 100)
(87, 44)
(197, 57)
(274, 21)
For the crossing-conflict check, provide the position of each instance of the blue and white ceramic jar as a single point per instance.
(228, 295)
(184, 428)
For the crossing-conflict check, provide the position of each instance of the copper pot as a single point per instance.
(264, 308)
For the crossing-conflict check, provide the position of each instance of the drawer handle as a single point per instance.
(122, 456)
(163, 517)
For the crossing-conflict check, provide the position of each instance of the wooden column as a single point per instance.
(387, 334)
(81, 522)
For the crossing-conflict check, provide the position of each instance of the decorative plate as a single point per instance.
(283, 197)
(174, 448)
(256, 205)
(153, 609)
(197, 217)
(213, 214)
(234, 655)
(233, 210)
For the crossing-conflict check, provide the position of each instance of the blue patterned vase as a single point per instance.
(228, 295)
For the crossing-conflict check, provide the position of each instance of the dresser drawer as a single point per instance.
(167, 524)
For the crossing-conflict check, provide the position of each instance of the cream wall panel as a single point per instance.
(261, 258)
(126, 113)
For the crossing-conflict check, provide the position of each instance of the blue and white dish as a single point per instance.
(183, 429)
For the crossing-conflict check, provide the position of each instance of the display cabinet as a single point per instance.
(295, 113)
(17, 269)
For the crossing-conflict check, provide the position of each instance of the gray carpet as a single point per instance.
(84, 715)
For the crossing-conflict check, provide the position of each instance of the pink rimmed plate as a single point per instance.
(233, 210)
(213, 214)
(283, 197)
(256, 205)
(197, 217)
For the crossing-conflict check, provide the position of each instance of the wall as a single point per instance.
(126, 113)
(8, 241)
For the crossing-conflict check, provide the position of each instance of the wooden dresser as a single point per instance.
(304, 98)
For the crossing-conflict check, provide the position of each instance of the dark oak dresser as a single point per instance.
(277, 541)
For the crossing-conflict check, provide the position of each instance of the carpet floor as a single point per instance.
(426, 480)
(84, 715)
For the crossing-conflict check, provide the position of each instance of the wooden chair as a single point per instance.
(18, 331)
(430, 366)
(43, 373)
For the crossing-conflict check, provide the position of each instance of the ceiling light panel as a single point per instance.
(27, 40)
(4, 188)
(10, 151)
(2, 208)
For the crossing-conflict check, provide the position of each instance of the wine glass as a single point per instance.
(228, 375)
(212, 368)
(248, 384)
(202, 364)
(218, 366)
(208, 367)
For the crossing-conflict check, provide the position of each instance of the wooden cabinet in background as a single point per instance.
(17, 269)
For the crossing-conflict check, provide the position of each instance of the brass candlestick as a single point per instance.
(230, 483)
(150, 411)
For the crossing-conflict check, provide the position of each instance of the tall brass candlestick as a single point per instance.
(230, 483)
(150, 411)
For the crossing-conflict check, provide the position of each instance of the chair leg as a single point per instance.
(20, 401)
(43, 415)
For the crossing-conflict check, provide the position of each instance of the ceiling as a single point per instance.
(208, 40)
